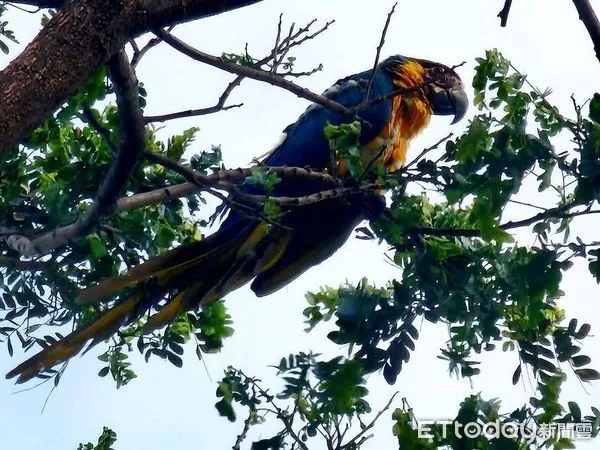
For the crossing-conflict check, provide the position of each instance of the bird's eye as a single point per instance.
(438, 72)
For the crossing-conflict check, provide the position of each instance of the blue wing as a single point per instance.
(305, 143)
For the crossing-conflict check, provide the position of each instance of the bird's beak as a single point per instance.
(449, 102)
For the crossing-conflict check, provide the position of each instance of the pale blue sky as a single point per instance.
(167, 407)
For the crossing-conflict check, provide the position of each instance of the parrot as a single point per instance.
(246, 248)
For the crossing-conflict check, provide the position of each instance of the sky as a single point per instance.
(166, 407)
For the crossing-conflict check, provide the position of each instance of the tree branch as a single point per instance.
(81, 37)
(378, 53)
(280, 47)
(503, 14)
(242, 436)
(221, 180)
(372, 423)
(561, 212)
(33, 266)
(590, 20)
(251, 72)
(132, 146)
(45, 4)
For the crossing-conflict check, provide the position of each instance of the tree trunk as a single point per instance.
(82, 36)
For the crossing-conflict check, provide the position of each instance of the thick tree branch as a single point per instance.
(590, 20)
(81, 37)
(222, 180)
(132, 146)
(33, 266)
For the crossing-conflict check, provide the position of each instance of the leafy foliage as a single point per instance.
(5, 33)
(322, 395)
(105, 441)
(37, 193)
(458, 262)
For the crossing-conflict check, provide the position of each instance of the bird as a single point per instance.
(399, 95)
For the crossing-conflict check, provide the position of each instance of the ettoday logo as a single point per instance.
(510, 430)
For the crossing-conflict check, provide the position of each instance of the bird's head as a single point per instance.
(440, 85)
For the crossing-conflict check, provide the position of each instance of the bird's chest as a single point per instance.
(390, 145)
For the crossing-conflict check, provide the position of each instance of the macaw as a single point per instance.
(250, 249)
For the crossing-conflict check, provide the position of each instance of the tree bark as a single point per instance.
(81, 37)
(590, 20)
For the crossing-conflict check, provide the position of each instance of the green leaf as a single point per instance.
(97, 247)
(588, 374)
(595, 108)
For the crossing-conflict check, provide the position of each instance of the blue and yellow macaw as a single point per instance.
(246, 248)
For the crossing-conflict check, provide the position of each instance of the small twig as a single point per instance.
(371, 424)
(242, 436)
(303, 74)
(191, 113)
(427, 150)
(553, 213)
(277, 39)
(378, 53)
(503, 14)
(280, 414)
(283, 50)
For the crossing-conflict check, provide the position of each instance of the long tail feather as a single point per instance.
(214, 266)
(71, 344)
(171, 261)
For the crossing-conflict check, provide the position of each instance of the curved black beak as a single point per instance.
(449, 102)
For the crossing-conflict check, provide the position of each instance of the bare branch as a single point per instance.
(242, 436)
(219, 106)
(425, 151)
(132, 146)
(191, 113)
(251, 72)
(378, 53)
(280, 46)
(503, 14)
(138, 53)
(311, 199)
(590, 20)
(371, 424)
(197, 178)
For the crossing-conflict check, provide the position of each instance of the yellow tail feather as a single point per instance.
(71, 344)
(197, 274)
